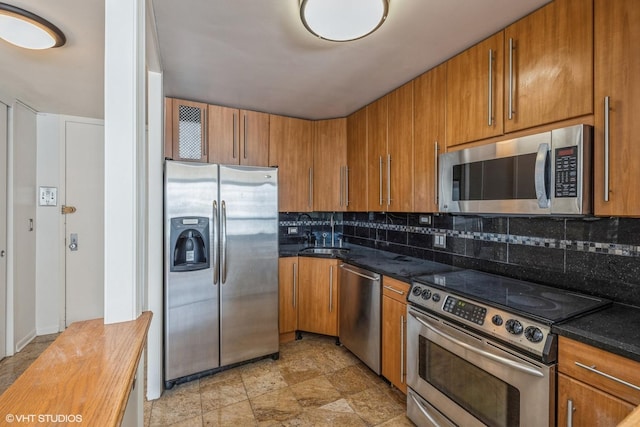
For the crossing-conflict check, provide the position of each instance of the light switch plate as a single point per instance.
(48, 196)
(440, 240)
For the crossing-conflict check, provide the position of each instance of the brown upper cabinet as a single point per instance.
(238, 137)
(429, 106)
(291, 150)
(390, 151)
(617, 102)
(474, 92)
(357, 161)
(549, 65)
(185, 130)
(330, 165)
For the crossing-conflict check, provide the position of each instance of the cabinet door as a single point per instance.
(189, 131)
(291, 150)
(318, 295)
(356, 193)
(429, 127)
(329, 165)
(617, 86)
(394, 322)
(223, 134)
(288, 296)
(475, 92)
(254, 138)
(549, 65)
(399, 161)
(590, 406)
(377, 154)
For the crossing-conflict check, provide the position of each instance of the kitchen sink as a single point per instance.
(332, 252)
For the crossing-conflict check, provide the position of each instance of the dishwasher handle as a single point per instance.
(357, 273)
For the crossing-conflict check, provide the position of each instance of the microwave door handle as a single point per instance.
(540, 176)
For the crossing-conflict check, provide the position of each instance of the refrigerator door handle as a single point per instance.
(216, 237)
(223, 246)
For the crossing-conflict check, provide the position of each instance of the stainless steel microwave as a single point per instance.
(543, 174)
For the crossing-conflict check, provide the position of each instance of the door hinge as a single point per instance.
(68, 209)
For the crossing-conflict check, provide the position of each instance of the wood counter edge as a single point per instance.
(632, 420)
(87, 371)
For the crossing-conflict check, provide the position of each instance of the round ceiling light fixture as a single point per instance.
(343, 20)
(25, 29)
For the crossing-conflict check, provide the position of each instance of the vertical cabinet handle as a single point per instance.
(244, 139)
(235, 134)
(388, 179)
(295, 284)
(346, 186)
(402, 321)
(341, 184)
(570, 410)
(435, 172)
(330, 288)
(510, 106)
(310, 187)
(607, 129)
(380, 180)
(490, 97)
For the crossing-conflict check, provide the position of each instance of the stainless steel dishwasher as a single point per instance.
(360, 323)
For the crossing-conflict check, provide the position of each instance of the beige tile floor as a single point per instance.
(314, 383)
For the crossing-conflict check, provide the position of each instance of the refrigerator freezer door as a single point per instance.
(191, 297)
(249, 263)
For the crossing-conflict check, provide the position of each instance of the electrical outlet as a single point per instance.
(292, 230)
(425, 220)
(440, 240)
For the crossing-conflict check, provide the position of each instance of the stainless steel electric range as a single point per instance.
(480, 351)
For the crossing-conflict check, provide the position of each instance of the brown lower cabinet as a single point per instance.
(394, 332)
(590, 391)
(318, 295)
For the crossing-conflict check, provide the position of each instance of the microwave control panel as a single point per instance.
(566, 171)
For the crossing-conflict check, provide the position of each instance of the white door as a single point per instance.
(3, 230)
(84, 228)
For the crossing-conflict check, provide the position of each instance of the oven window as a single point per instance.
(486, 397)
(505, 178)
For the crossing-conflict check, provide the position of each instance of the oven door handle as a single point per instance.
(540, 176)
(426, 413)
(503, 360)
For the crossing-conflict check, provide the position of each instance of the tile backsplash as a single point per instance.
(598, 256)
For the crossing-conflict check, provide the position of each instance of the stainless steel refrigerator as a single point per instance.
(221, 267)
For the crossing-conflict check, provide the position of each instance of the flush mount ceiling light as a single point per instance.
(343, 20)
(25, 29)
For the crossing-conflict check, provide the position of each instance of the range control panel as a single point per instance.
(516, 330)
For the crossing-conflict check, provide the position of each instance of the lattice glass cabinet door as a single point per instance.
(189, 131)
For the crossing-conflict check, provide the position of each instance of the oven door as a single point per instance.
(471, 380)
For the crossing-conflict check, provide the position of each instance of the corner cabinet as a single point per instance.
(330, 165)
(318, 295)
(475, 92)
(186, 128)
(288, 298)
(429, 127)
(357, 161)
(238, 137)
(617, 102)
(548, 65)
(291, 150)
(394, 332)
(590, 391)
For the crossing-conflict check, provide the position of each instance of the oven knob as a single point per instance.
(426, 294)
(417, 291)
(436, 297)
(497, 320)
(533, 334)
(514, 327)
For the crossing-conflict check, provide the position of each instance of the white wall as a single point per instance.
(49, 254)
(23, 288)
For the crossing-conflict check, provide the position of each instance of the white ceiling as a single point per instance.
(252, 54)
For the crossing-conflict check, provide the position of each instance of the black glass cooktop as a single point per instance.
(547, 303)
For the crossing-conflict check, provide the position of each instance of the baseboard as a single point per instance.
(24, 341)
(51, 329)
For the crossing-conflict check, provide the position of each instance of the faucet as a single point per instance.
(332, 222)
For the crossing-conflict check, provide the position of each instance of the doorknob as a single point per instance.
(2, 253)
(74, 242)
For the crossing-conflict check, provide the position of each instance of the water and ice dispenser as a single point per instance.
(190, 245)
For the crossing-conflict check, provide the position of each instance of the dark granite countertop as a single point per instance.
(614, 329)
(391, 264)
